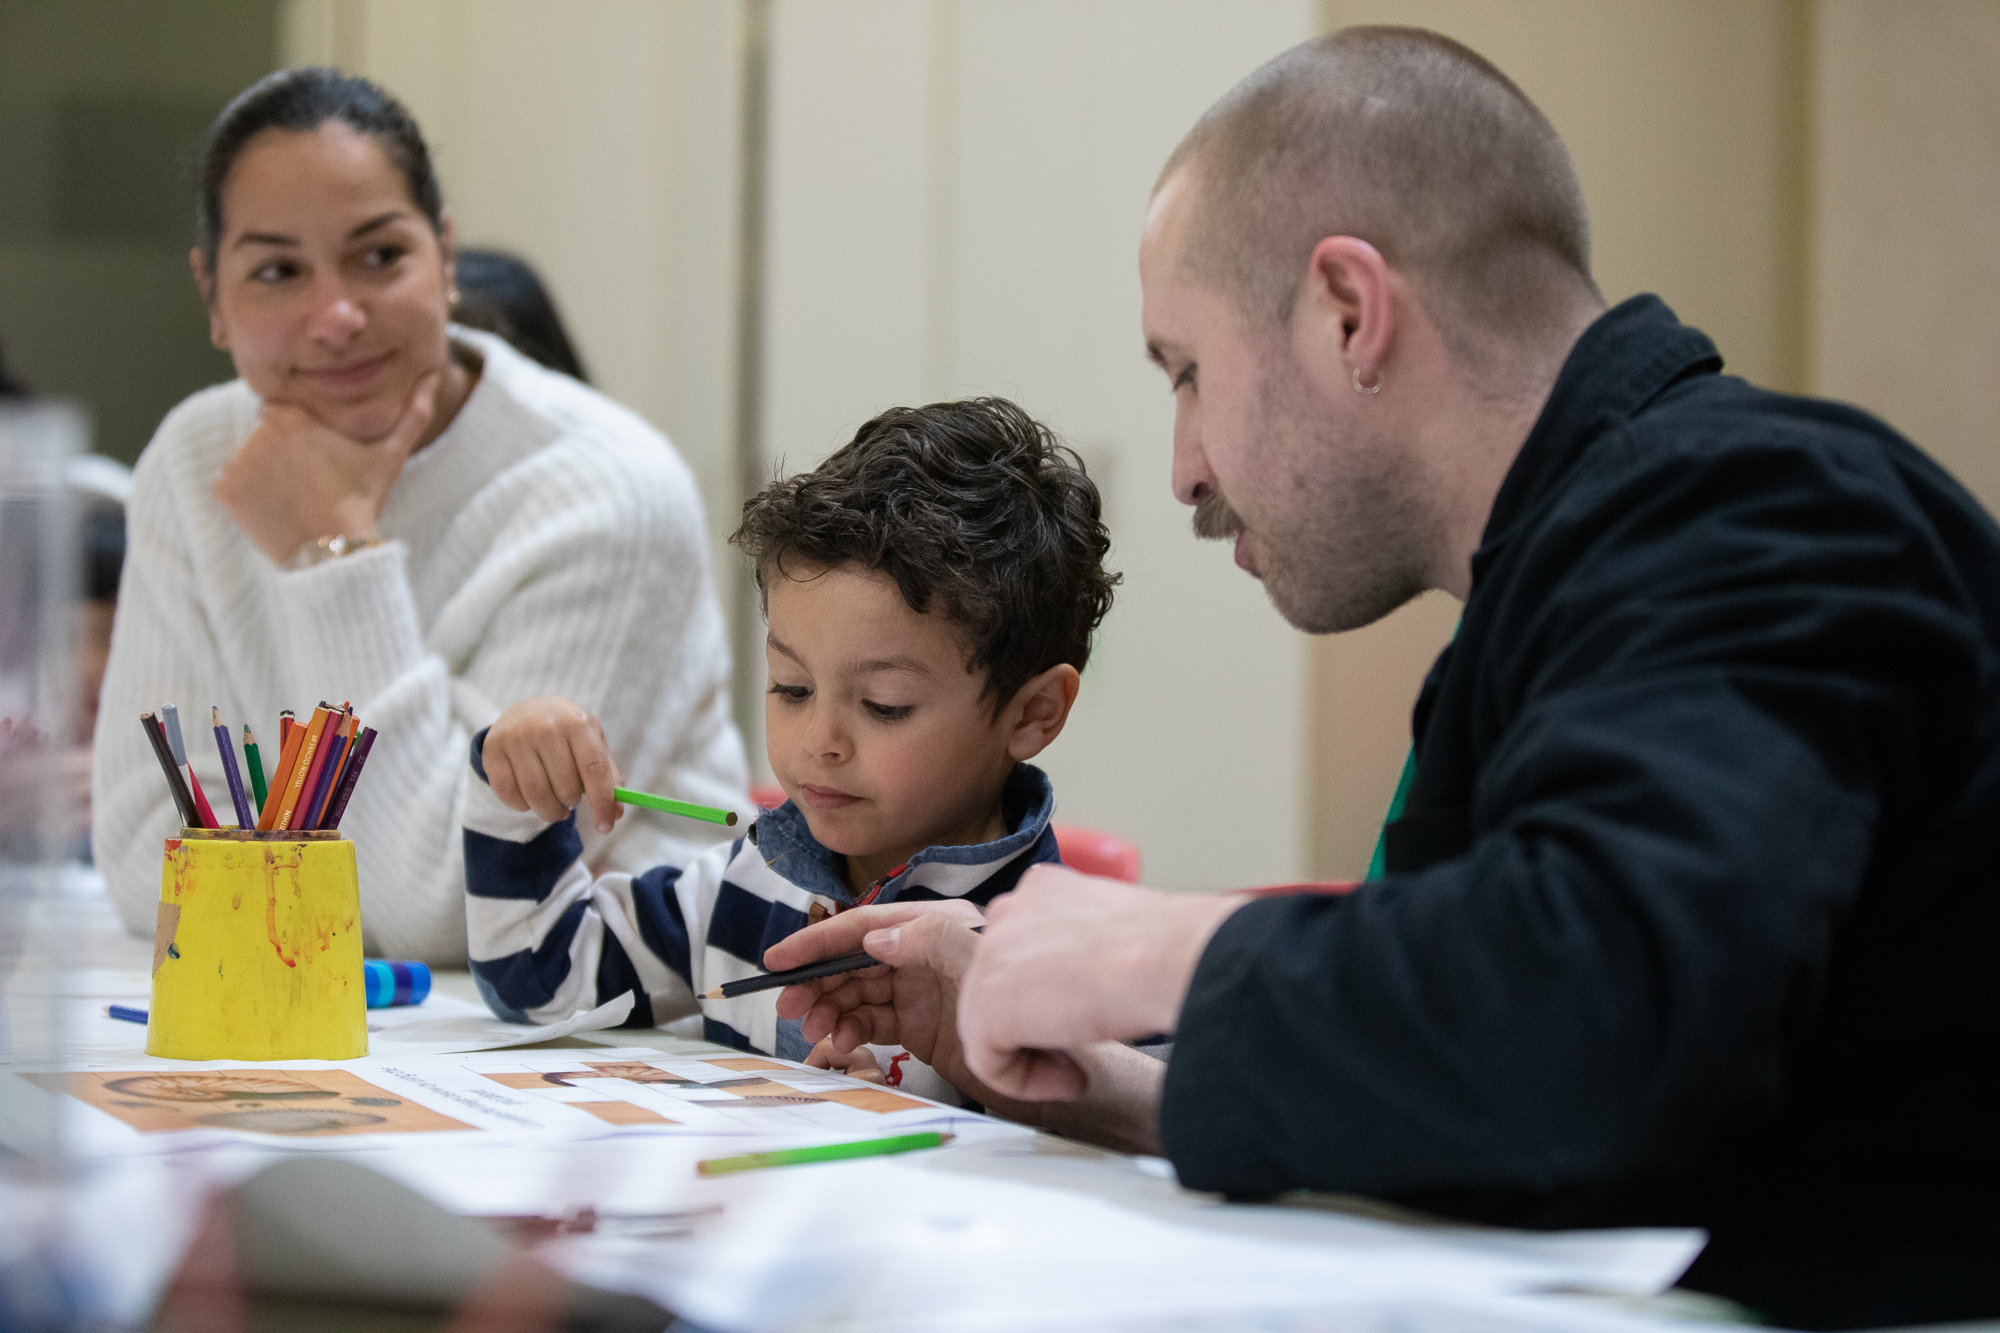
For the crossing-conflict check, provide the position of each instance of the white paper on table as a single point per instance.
(950, 1248)
(90, 1038)
(442, 1025)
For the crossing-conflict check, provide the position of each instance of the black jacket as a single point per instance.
(1693, 916)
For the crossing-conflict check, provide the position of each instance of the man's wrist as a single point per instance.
(1185, 925)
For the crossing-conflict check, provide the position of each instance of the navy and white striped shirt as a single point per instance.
(547, 939)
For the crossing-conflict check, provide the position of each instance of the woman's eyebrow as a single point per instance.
(262, 238)
(375, 222)
(274, 238)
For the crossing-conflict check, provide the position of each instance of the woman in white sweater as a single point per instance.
(388, 509)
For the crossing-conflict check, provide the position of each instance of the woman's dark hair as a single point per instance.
(301, 100)
(503, 295)
(976, 511)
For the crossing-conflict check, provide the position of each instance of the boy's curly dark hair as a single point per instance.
(979, 514)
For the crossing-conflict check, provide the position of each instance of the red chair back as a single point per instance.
(1096, 853)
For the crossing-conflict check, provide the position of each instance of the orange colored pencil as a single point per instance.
(308, 749)
(288, 759)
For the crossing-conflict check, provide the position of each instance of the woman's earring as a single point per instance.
(453, 298)
(1359, 387)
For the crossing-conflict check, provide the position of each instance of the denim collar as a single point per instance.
(788, 847)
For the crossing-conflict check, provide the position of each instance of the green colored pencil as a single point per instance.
(685, 809)
(828, 1152)
(256, 765)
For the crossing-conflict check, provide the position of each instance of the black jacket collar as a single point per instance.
(1628, 357)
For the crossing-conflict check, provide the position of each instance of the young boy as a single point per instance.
(930, 592)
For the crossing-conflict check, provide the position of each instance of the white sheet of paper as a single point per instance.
(947, 1246)
(440, 1025)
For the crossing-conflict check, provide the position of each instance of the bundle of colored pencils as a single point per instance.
(318, 764)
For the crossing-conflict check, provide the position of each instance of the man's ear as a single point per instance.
(1345, 318)
(1039, 710)
(204, 282)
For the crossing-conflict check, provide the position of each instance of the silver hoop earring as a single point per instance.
(1359, 387)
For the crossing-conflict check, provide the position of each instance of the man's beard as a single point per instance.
(1349, 539)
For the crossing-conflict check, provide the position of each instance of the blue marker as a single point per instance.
(395, 983)
(387, 984)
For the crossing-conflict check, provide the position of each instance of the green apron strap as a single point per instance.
(1375, 867)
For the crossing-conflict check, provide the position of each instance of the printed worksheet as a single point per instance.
(720, 1093)
(519, 1096)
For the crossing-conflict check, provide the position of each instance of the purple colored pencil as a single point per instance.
(237, 796)
(362, 745)
(323, 789)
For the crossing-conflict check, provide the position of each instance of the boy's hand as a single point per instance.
(857, 1063)
(547, 755)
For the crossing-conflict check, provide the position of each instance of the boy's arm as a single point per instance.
(546, 939)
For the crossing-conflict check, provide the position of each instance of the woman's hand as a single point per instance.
(295, 480)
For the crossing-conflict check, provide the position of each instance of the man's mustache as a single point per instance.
(1214, 520)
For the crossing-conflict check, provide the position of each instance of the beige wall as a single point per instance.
(1906, 223)
(1816, 185)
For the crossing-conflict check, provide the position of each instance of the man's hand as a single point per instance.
(1068, 961)
(912, 1006)
(912, 1003)
(546, 754)
(295, 480)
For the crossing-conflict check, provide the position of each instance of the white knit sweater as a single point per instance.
(547, 542)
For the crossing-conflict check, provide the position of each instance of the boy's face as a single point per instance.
(873, 724)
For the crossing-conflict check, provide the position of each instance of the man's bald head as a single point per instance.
(1411, 142)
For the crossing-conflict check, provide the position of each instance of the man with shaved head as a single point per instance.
(1692, 914)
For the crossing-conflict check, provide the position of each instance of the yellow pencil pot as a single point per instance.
(257, 952)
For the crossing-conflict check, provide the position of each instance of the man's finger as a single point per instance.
(830, 938)
(843, 933)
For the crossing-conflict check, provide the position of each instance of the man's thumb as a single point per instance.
(888, 946)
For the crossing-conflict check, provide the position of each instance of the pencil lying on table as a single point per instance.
(825, 1152)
